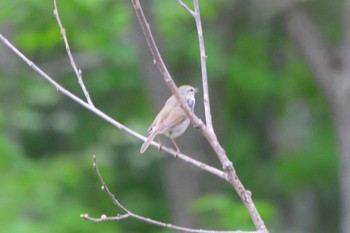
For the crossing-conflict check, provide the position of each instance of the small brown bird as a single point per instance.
(172, 120)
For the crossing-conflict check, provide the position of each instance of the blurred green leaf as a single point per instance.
(220, 211)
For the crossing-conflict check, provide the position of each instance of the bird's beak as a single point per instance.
(196, 90)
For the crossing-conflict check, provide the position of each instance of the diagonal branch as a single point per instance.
(77, 71)
(107, 118)
(207, 131)
(158, 61)
(208, 134)
(197, 18)
(130, 214)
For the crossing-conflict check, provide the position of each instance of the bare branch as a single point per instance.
(130, 214)
(77, 71)
(203, 57)
(105, 218)
(209, 135)
(158, 61)
(207, 132)
(182, 4)
(107, 118)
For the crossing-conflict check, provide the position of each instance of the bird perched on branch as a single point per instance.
(172, 120)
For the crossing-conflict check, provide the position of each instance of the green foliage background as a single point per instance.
(277, 131)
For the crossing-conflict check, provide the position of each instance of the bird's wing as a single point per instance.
(175, 116)
(164, 111)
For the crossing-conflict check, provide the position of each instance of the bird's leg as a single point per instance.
(160, 143)
(177, 148)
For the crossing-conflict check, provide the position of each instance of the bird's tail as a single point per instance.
(148, 141)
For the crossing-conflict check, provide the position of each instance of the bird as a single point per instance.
(172, 120)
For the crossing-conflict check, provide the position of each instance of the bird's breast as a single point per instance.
(191, 102)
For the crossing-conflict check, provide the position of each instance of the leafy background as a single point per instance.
(277, 127)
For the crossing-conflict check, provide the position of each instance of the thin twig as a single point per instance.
(182, 4)
(105, 218)
(203, 57)
(244, 194)
(207, 132)
(77, 71)
(104, 116)
(130, 214)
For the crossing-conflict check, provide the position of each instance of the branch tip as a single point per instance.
(70, 56)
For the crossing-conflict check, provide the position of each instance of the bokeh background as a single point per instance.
(269, 113)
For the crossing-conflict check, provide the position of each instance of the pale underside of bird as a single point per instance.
(172, 120)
